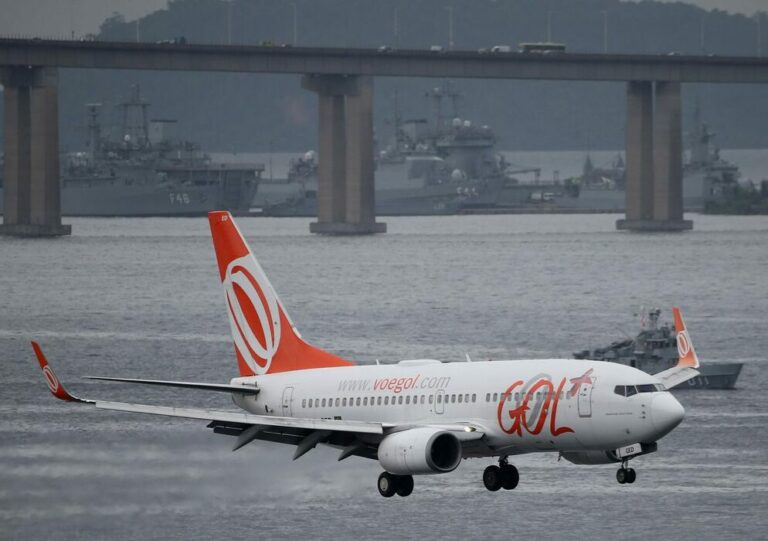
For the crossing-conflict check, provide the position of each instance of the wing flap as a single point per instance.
(360, 427)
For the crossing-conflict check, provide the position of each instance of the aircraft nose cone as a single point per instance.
(666, 413)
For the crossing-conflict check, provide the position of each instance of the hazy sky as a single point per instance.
(63, 17)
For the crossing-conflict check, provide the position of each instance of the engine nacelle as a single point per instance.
(591, 457)
(420, 451)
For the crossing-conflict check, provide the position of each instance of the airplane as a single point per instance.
(419, 416)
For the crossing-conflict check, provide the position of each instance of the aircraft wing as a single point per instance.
(353, 437)
(688, 361)
(221, 387)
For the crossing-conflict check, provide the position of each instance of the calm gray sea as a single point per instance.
(141, 297)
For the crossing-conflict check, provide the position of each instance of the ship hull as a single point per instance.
(398, 193)
(714, 376)
(104, 198)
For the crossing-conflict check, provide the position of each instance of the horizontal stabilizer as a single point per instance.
(220, 387)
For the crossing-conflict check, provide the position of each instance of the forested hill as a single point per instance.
(252, 112)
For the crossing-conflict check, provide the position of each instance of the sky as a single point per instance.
(64, 18)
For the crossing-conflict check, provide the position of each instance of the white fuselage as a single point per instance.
(520, 406)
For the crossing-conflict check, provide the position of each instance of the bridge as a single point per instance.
(343, 80)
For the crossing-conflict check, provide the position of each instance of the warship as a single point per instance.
(145, 171)
(655, 349)
(707, 177)
(430, 167)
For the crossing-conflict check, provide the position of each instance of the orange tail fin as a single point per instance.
(687, 355)
(266, 340)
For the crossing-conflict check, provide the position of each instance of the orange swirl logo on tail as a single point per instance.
(254, 314)
(51, 379)
(683, 344)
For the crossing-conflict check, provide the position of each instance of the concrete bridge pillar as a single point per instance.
(31, 193)
(654, 164)
(345, 191)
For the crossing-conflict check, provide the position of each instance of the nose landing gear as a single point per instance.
(504, 476)
(625, 474)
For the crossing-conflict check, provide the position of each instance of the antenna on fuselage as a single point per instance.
(469, 359)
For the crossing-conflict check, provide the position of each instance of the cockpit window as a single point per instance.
(625, 390)
(629, 390)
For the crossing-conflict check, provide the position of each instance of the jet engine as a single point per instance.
(420, 451)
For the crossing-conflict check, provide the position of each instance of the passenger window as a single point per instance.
(509, 397)
(495, 397)
(343, 402)
(337, 402)
(303, 402)
(323, 402)
(365, 401)
(439, 399)
(431, 398)
(422, 399)
(378, 401)
(517, 396)
(386, 401)
(407, 399)
(357, 401)
(474, 398)
(317, 402)
(453, 399)
(460, 399)
(631, 390)
(399, 399)
(487, 397)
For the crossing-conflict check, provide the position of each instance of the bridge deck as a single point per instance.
(388, 63)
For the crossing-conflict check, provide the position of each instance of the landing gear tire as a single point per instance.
(631, 476)
(404, 485)
(492, 478)
(510, 477)
(621, 476)
(387, 484)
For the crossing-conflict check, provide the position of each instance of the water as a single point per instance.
(140, 297)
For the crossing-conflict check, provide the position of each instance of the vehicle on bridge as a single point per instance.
(542, 47)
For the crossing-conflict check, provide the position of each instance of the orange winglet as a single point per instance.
(57, 389)
(686, 353)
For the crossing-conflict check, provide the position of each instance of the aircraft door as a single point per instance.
(585, 398)
(439, 400)
(287, 403)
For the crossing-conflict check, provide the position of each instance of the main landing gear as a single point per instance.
(390, 484)
(625, 474)
(504, 476)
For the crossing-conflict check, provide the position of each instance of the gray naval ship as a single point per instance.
(707, 177)
(430, 167)
(145, 171)
(655, 349)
